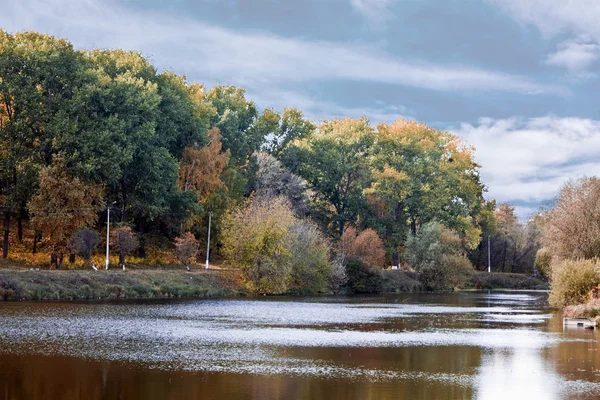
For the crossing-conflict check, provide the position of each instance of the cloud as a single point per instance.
(319, 110)
(578, 18)
(528, 160)
(377, 12)
(576, 55)
(255, 59)
(552, 17)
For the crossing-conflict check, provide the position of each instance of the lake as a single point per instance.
(466, 345)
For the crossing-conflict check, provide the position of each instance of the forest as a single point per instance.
(295, 203)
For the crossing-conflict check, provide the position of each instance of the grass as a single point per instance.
(398, 281)
(116, 284)
(498, 280)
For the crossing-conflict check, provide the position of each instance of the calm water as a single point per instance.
(438, 346)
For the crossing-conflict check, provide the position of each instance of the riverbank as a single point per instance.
(116, 284)
(171, 282)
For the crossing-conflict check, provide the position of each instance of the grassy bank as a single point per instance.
(116, 284)
(498, 280)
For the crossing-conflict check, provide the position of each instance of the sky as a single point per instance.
(515, 79)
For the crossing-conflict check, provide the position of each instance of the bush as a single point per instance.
(543, 261)
(363, 279)
(366, 246)
(572, 281)
(83, 243)
(309, 258)
(436, 253)
(186, 248)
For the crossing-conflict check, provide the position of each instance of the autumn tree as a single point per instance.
(421, 174)
(125, 241)
(186, 249)
(201, 168)
(61, 206)
(366, 246)
(571, 229)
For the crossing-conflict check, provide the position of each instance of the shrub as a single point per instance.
(254, 239)
(125, 241)
(436, 254)
(572, 281)
(186, 248)
(365, 246)
(309, 258)
(83, 243)
(338, 276)
(363, 279)
(543, 260)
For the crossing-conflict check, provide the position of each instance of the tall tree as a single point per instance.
(334, 163)
(62, 205)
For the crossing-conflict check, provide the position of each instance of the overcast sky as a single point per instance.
(517, 79)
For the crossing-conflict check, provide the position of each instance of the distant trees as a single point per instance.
(83, 243)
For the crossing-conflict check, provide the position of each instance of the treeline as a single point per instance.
(81, 131)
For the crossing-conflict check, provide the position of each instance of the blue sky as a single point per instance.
(516, 79)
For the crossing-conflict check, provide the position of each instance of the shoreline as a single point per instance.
(176, 283)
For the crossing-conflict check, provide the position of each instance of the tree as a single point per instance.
(421, 174)
(365, 246)
(254, 239)
(201, 168)
(84, 242)
(186, 249)
(571, 229)
(62, 205)
(436, 253)
(284, 129)
(333, 161)
(273, 180)
(309, 257)
(125, 241)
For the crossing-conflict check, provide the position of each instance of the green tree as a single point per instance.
(334, 163)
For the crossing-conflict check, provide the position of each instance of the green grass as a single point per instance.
(116, 284)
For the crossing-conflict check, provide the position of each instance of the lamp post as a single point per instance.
(208, 241)
(107, 232)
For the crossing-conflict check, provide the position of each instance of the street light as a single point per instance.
(108, 231)
(208, 241)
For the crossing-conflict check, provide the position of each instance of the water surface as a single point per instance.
(444, 346)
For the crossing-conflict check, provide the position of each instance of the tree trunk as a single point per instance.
(72, 258)
(20, 228)
(60, 262)
(142, 240)
(395, 258)
(121, 258)
(52, 260)
(413, 226)
(504, 255)
(6, 232)
(35, 242)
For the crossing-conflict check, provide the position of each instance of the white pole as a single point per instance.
(208, 242)
(107, 235)
(489, 257)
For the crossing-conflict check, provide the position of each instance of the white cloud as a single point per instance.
(528, 160)
(377, 12)
(576, 55)
(553, 17)
(253, 59)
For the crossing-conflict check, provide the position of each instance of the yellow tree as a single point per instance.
(62, 205)
(201, 168)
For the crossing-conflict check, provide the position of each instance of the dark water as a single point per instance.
(438, 346)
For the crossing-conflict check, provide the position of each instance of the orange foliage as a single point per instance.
(365, 246)
(201, 169)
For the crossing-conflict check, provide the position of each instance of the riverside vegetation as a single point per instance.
(297, 206)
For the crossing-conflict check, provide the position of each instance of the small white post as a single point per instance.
(208, 241)
(489, 257)
(107, 235)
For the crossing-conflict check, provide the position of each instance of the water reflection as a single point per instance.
(463, 345)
